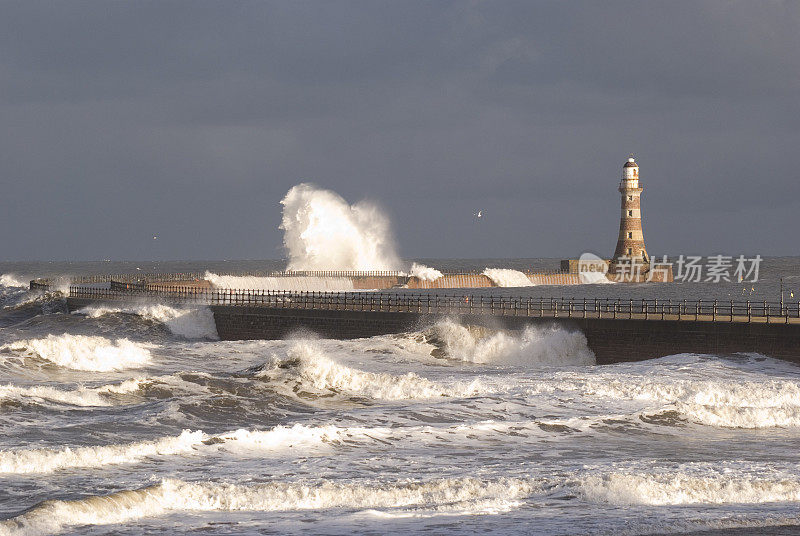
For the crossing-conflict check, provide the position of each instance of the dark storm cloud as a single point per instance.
(190, 120)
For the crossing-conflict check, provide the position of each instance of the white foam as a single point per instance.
(424, 273)
(80, 352)
(48, 460)
(307, 363)
(177, 496)
(288, 283)
(11, 280)
(706, 392)
(663, 489)
(82, 396)
(535, 346)
(192, 322)
(730, 404)
(503, 277)
(742, 417)
(323, 232)
(240, 442)
(244, 442)
(25, 461)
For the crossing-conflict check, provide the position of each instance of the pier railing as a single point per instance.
(460, 304)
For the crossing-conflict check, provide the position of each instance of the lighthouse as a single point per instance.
(630, 244)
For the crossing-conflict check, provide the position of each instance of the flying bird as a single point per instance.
(478, 214)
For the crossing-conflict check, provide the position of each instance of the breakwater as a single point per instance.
(311, 279)
(616, 330)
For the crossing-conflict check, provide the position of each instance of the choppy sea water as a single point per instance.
(136, 420)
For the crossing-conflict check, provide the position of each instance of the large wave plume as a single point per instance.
(323, 232)
(535, 346)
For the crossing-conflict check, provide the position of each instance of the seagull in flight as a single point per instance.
(478, 214)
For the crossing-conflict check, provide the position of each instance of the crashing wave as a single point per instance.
(191, 323)
(503, 277)
(82, 396)
(80, 352)
(287, 283)
(671, 489)
(535, 346)
(452, 495)
(49, 460)
(306, 364)
(455, 494)
(424, 273)
(323, 232)
(741, 404)
(742, 417)
(240, 442)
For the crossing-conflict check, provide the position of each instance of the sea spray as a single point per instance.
(81, 352)
(535, 346)
(287, 283)
(503, 277)
(323, 232)
(424, 273)
(188, 322)
(11, 280)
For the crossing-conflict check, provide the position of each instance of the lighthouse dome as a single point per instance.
(631, 163)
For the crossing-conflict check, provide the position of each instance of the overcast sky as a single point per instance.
(191, 120)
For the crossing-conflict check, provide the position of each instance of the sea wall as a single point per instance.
(250, 323)
(612, 340)
(377, 282)
(452, 281)
(380, 282)
(483, 281)
(554, 279)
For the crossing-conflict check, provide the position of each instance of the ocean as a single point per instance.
(137, 420)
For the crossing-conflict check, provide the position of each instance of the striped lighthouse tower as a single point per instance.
(630, 243)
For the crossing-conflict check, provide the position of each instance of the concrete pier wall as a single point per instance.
(620, 336)
(612, 340)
